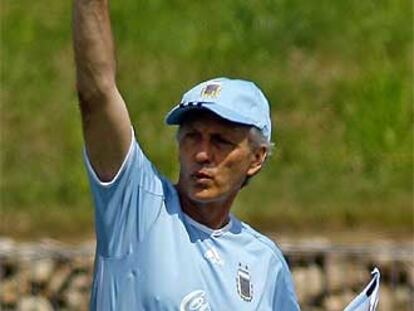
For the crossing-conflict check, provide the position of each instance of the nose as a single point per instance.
(203, 153)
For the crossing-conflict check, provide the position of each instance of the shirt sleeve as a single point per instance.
(284, 296)
(126, 206)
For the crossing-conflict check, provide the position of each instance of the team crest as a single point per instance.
(244, 283)
(211, 90)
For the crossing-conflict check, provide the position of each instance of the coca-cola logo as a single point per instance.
(195, 301)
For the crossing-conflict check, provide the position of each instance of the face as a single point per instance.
(215, 157)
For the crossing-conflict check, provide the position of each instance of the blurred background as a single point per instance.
(338, 74)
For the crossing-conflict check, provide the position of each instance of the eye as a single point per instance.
(222, 140)
(191, 135)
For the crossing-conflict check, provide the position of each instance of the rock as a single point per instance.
(410, 274)
(80, 282)
(299, 277)
(58, 280)
(13, 287)
(76, 300)
(402, 298)
(335, 302)
(34, 303)
(8, 267)
(336, 273)
(7, 246)
(315, 280)
(9, 291)
(386, 301)
(308, 282)
(82, 263)
(358, 276)
(42, 270)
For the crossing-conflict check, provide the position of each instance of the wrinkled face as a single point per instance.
(215, 157)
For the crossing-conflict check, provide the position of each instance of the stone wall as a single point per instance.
(328, 277)
(53, 276)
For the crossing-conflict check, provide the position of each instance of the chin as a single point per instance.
(203, 196)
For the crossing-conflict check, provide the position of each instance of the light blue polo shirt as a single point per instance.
(151, 256)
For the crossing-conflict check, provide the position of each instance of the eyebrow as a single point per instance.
(226, 131)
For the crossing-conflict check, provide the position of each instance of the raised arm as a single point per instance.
(105, 119)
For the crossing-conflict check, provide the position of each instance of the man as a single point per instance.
(174, 247)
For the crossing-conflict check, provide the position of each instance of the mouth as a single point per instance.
(201, 177)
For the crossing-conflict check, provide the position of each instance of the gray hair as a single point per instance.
(257, 140)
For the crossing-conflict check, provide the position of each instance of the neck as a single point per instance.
(214, 215)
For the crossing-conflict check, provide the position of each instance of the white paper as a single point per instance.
(367, 300)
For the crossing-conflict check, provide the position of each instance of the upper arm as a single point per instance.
(106, 130)
(127, 206)
(284, 295)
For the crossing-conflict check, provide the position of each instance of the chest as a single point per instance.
(175, 268)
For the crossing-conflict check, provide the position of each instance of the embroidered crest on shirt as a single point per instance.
(195, 301)
(244, 283)
(211, 90)
(213, 256)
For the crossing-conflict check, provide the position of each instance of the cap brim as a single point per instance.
(176, 115)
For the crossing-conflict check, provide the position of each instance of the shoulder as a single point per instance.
(267, 244)
(279, 276)
(149, 178)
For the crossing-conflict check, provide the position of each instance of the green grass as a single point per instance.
(338, 75)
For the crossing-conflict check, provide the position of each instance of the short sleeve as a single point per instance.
(284, 295)
(126, 206)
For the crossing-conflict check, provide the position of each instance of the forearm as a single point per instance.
(94, 49)
(105, 120)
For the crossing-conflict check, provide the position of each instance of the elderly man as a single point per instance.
(174, 247)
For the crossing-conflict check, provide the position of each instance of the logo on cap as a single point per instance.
(211, 90)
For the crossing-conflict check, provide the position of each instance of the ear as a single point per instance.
(258, 158)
